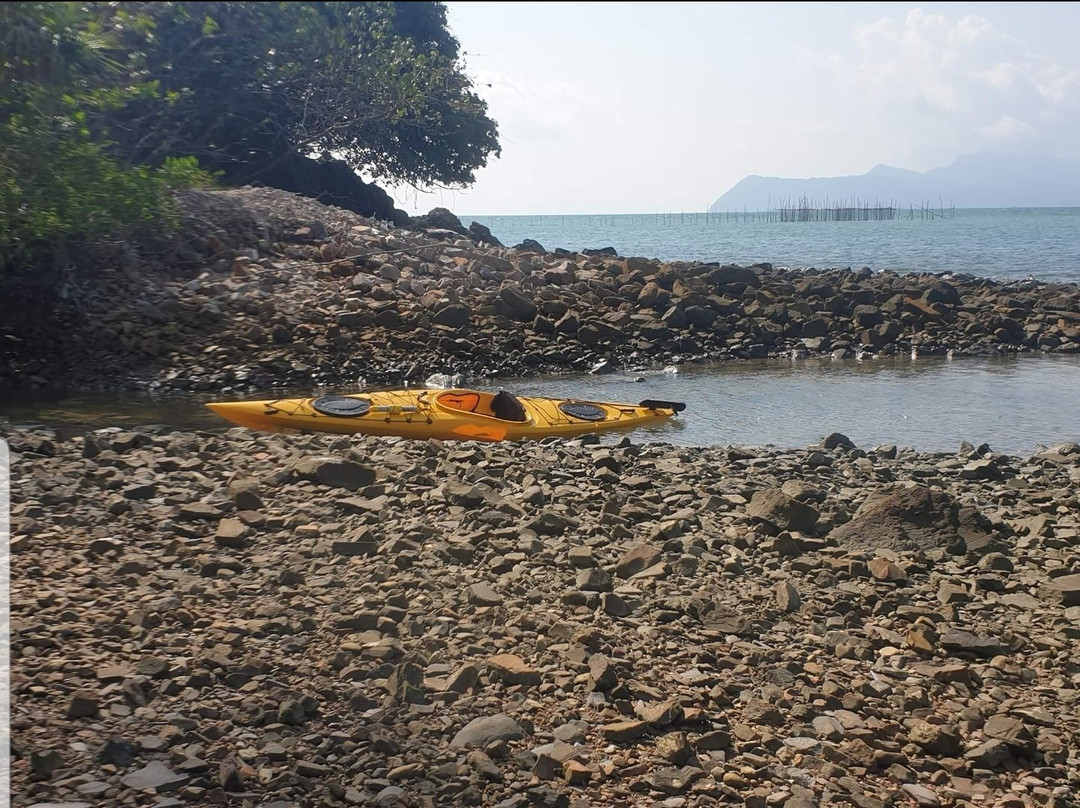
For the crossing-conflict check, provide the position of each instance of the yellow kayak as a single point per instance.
(444, 414)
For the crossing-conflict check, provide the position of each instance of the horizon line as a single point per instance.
(754, 210)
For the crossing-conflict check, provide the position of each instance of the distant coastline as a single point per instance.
(971, 181)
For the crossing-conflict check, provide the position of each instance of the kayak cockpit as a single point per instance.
(502, 406)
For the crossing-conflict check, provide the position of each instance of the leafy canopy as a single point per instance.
(243, 86)
(107, 106)
(61, 69)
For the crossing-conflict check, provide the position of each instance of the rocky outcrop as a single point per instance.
(334, 182)
(268, 288)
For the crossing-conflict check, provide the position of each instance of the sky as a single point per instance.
(662, 107)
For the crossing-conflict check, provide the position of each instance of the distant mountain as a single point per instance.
(973, 181)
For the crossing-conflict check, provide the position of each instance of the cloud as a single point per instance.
(1007, 129)
(532, 110)
(964, 81)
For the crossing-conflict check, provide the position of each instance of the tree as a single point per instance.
(61, 69)
(252, 88)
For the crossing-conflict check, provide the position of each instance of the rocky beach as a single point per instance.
(264, 288)
(238, 618)
(269, 620)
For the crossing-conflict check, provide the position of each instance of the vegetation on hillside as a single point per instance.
(106, 107)
(60, 185)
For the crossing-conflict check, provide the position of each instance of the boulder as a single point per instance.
(906, 518)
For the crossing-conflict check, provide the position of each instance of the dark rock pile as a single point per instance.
(267, 288)
(257, 620)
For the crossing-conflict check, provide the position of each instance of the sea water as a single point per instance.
(999, 243)
(931, 404)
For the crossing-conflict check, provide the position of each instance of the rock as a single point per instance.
(484, 766)
(969, 642)
(885, 570)
(616, 606)
(312, 769)
(439, 219)
(1065, 590)
(83, 705)
(335, 474)
(1010, 730)
(675, 781)
(362, 544)
(117, 752)
(773, 506)
(921, 794)
(485, 729)
(992, 754)
(517, 305)
(787, 597)
(245, 494)
(731, 275)
(837, 440)
(44, 762)
(602, 673)
(154, 776)
(529, 245)
(482, 235)
(231, 533)
(140, 491)
(512, 670)
(593, 579)
(453, 316)
(576, 774)
(637, 558)
(464, 679)
(200, 511)
(483, 595)
(674, 748)
(623, 731)
(913, 518)
(935, 739)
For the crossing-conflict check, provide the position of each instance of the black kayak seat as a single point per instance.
(506, 407)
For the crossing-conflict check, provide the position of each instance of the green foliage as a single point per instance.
(59, 184)
(106, 106)
(245, 85)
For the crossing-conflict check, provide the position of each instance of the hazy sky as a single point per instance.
(645, 107)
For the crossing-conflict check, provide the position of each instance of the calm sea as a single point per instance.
(1000, 243)
(929, 403)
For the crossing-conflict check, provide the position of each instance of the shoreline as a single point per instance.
(75, 412)
(283, 290)
(313, 619)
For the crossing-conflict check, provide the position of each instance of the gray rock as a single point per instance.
(1065, 590)
(154, 776)
(485, 729)
(335, 474)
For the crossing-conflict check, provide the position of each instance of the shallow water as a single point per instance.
(929, 404)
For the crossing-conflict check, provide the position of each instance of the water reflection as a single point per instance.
(930, 404)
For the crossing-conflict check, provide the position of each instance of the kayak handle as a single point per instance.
(653, 404)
